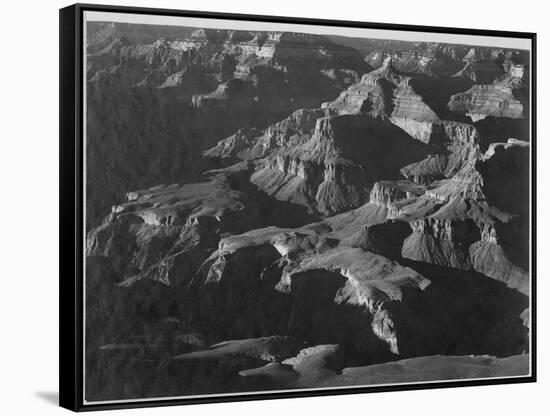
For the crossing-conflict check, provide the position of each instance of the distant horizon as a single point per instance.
(350, 32)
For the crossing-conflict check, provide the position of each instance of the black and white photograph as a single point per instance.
(257, 207)
(274, 207)
(247, 208)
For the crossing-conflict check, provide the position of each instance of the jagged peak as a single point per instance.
(386, 71)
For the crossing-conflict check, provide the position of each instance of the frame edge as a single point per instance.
(70, 204)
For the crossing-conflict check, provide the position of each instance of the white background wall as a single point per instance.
(29, 206)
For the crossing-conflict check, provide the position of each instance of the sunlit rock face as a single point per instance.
(282, 210)
(429, 59)
(487, 100)
(387, 93)
(503, 96)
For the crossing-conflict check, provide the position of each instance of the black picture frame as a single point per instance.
(71, 207)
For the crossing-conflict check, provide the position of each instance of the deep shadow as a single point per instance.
(317, 318)
(461, 312)
(500, 129)
(266, 210)
(436, 93)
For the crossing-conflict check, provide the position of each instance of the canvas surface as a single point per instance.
(275, 207)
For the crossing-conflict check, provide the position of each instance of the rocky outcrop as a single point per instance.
(489, 258)
(439, 59)
(226, 54)
(306, 162)
(386, 92)
(458, 144)
(252, 144)
(503, 96)
(429, 59)
(344, 277)
(487, 100)
(165, 233)
(393, 194)
(461, 222)
(441, 242)
(162, 234)
(426, 171)
(334, 170)
(342, 273)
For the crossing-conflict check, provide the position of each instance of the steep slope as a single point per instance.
(467, 221)
(150, 105)
(386, 92)
(334, 170)
(328, 158)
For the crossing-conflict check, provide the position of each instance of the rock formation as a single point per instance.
(504, 97)
(150, 104)
(268, 210)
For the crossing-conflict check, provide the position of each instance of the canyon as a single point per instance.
(277, 210)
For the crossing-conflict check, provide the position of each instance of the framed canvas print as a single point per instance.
(256, 207)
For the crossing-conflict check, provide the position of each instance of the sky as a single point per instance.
(495, 41)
